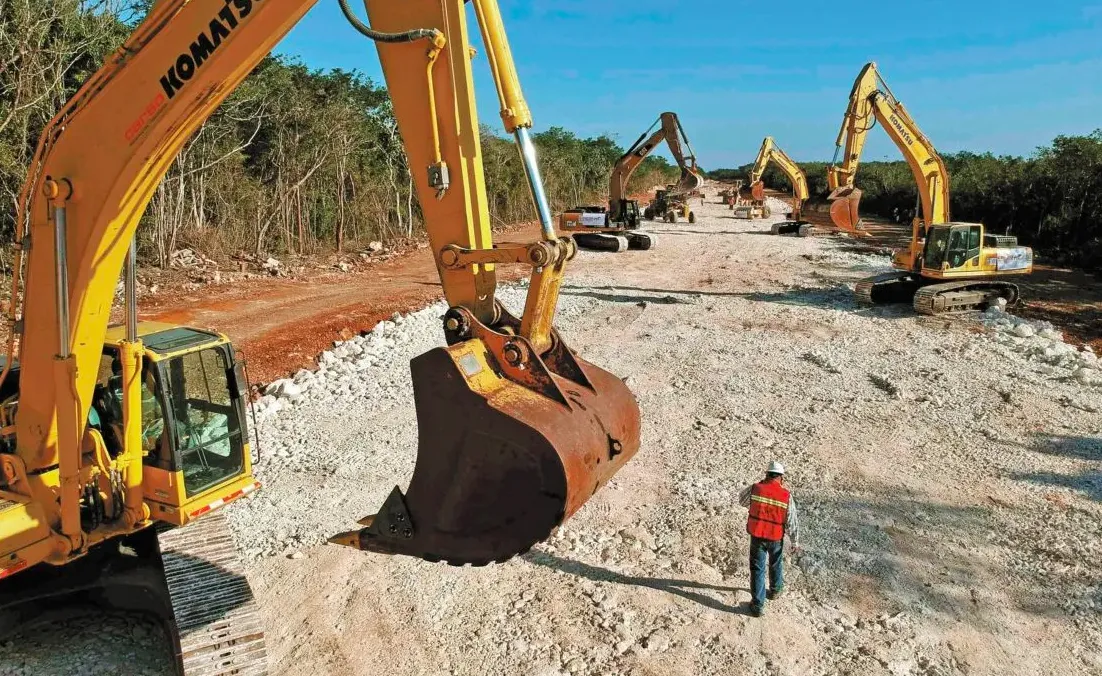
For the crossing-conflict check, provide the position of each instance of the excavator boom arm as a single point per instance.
(139, 110)
(494, 400)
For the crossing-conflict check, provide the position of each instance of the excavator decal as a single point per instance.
(188, 63)
(134, 131)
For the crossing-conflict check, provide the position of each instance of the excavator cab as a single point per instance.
(966, 250)
(194, 435)
(952, 247)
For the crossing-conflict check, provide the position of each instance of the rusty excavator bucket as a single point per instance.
(508, 447)
(757, 191)
(844, 203)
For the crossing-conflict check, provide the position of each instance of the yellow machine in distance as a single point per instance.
(948, 267)
(616, 227)
(769, 153)
(109, 434)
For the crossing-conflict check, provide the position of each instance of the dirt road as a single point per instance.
(950, 492)
(948, 475)
(281, 325)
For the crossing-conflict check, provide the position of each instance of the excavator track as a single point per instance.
(797, 228)
(218, 624)
(890, 287)
(642, 241)
(600, 241)
(949, 297)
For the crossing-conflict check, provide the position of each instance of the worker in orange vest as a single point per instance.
(772, 516)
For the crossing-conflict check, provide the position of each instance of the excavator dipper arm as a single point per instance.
(516, 431)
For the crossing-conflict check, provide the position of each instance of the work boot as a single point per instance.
(757, 611)
(775, 593)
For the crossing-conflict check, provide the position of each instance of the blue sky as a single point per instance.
(1003, 77)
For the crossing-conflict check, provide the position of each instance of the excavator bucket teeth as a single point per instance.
(844, 208)
(499, 464)
(757, 190)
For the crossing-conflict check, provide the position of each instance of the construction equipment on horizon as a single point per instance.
(616, 228)
(770, 152)
(948, 267)
(110, 435)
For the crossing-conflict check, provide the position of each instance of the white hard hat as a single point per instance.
(775, 468)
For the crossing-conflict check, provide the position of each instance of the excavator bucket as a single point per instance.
(500, 463)
(757, 190)
(844, 203)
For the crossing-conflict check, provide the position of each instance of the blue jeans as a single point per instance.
(761, 552)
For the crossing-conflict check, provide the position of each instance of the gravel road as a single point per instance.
(948, 472)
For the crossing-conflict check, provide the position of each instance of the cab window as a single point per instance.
(206, 425)
(958, 247)
(936, 243)
(975, 234)
(106, 414)
(975, 243)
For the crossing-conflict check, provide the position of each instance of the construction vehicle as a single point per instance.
(118, 446)
(730, 194)
(616, 227)
(948, 266)
(771, 152)
(672, 203)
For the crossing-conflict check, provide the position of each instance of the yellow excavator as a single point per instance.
(119, 445)
(616, 227)
(771, 152)
(949, 266)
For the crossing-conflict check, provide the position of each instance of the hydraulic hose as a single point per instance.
(438, 171)
(408, 36)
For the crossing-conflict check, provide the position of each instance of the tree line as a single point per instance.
(295, 161)
(1051, 200)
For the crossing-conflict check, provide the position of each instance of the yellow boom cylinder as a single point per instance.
(131, 459)
(514, 109)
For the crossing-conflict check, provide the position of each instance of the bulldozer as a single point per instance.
(120, 445)
(949, 266)
(616, 227)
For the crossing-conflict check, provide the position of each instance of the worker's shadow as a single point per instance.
(680, 588)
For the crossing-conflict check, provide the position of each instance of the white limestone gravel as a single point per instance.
(948, 473)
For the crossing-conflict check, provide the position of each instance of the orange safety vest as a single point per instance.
(768, 510)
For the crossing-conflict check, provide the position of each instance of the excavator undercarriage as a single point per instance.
(930, 298)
